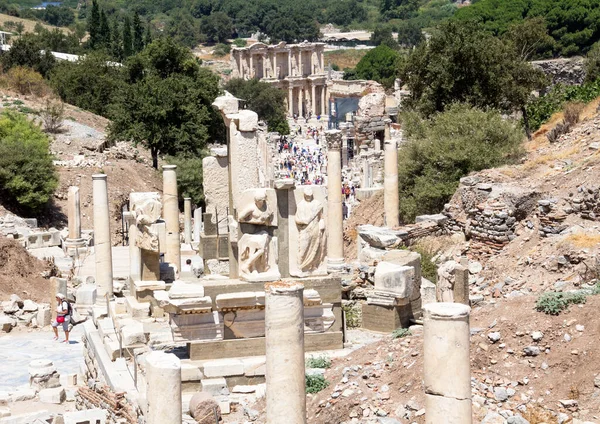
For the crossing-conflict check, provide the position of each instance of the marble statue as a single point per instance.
(311, 228)
(258, 213)
(446, 281)
(147, 211)
(254, 253)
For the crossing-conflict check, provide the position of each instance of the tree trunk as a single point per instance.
(526, 122)
(154, 153)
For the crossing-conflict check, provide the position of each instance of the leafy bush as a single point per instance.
(592, 63)
(27, 175)
(379, 64)
(53, 115)
(352, 314)
(399, 333)
(321, 361)
(428, 267)
(25, 81)
(553, 303)
(239, 42)
(189, 177)
(315, 383)
(447, 147)
(541, 109)
(221, 50)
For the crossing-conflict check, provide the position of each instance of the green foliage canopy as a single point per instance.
(379, 64)
(27, 175)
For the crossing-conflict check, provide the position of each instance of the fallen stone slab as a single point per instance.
(56, 395)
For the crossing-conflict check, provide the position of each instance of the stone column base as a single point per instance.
(335, 265)
(75, 247)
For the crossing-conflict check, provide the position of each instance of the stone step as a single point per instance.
(136, 309)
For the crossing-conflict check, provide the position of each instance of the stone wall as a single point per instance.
(564, 71)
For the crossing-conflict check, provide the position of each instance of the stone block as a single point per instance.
(248, 120)
(86, 294)
(227, 104)
(4, 411)
(205, 326)
(240, 300)
(254, 366)
(96, 416)
(215, 386)
(407, 258)
(183, 290)
(427, 291)
(136, 309)
(223, 368)
(396, 279)
(28, 418)
(55, 395)
(30, 306)
(149, 285)
(132, 333)
(190, 372)
(22, 395)
(7, 323)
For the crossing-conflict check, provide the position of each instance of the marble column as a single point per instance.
(446, 363)
(291, 101)
(300, 63)
(313, 101)
(300, 101)
(284, 334)
(163, 388)
(251, 66)
(197, 225)
(171, 215)
(289, 71)
(323, 101)
(74, 213)
(390, 181)
(135, 253)
(187, 219)
(335, 225)
(102, 244)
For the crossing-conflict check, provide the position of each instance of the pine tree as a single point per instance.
(127, 42)
(94, 25)
(116, 47)
(104, 37)
(148, 38)
(138, 34)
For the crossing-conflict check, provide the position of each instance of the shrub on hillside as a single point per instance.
(189, 177)
(25, 81)
(447, 147)
(27, 175)
(553, 303)
(53, 115)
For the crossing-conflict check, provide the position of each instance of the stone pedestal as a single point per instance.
(446, 363)
(135, 253)
(335, 225)
(187, 220)
(171, 214)
(390, 184)
(282, 190)
(163, 377)
(284, 326)
(102, 244)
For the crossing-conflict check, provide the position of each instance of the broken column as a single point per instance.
(187, 220)
(171, 215)
(163, 378)
(284, 332)
(74, 214)
(335, 224)
(390, 181)
(446, 363)
(102, 244)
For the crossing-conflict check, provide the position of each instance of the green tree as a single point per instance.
(461, 63)
(189, 176)
(592, 63)
(264, 99)
(104, 36)
(90, 83)
(94, 26)
(27, 175)
(379, 64)
(127, 40)
(447, 147)
(138, 34)
(530, 38)
(19, 27)
(148, 36)
(383, 35)
(409, 33)
(217, 27)
(116, 43)
(168, 104)
(182, 28)
(27, 51)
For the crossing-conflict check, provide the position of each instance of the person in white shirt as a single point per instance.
(62, 317)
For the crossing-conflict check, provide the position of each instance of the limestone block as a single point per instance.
(427, 291)
(227, 104)
(183, 290)
(254, 366)
(393, 278)
(132, 333)
(55, 395)
(96, 416)
(247, 120)
(190, 372)
(215, 386)
(44, 315)
(407, 258)
(439, 218)
(149, 285)
(29, 306)
(146, 203)
(196, 305)
(136, 309)
(160, 228)
(4, 411)
(370, 255)
(22, 395)
(223, 368)
(203, 407)
(28, 418)
(205, 326)
(372, 105)
(245, 323)
(86, 295)
(240, 300)
(216, 189)
(7, 323)
(378, 237)
(318, 319)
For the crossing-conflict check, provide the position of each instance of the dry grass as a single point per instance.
(344, 58)
(28, 24)
(537, 415)
(553, 156)
(581, 240)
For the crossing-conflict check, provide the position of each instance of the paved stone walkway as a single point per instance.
(17, 350)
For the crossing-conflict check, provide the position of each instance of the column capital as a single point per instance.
(99, 177)
(334, 139)
(169, 167)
